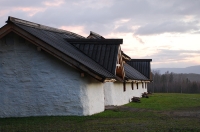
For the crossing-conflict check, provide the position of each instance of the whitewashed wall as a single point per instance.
(145, 88)
(115, 95)
(34, 83)
(92, 96)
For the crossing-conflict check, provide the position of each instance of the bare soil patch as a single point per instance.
(189, 112)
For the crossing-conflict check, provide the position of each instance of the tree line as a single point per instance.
(174, 83)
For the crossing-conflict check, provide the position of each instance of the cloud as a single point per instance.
(136, 21)
(168, 27)
(31, 11)
(93, 4)
(152, 16)
(167, 55)
(138, 39)
(174, 58)
(75, 29)
(20, 3)
(3, 12)
(53, 3)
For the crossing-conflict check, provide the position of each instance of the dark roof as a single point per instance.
(56, 39)
(133, 74)
(141, 60)
(95, 41)
(142, 65)
(102, 51)
(141, 72)
(98, 54)
(94, 35)
(43, 27)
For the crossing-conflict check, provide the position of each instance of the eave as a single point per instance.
(138, 81)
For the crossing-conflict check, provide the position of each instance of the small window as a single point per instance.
(137, 85)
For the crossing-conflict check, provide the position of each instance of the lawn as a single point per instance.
(159, 112)
(169, 101)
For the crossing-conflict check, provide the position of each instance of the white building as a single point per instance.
(46, 71)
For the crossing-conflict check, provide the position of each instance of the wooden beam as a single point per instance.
(82, 74)
(132, 85)
(109, 80)
(5, 30)
(120, 70)
(124, 86)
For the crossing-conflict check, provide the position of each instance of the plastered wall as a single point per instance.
(115, 94)
(34, 83)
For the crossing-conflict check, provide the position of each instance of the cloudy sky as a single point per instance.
(167, 31)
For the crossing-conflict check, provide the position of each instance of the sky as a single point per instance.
(166, 31)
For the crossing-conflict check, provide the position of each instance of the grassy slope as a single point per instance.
(168, 101)
(149, 115)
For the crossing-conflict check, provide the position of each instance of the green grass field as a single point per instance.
(168, 101)
(159, 112)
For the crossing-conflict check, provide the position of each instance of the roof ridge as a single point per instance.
(39, 26)
(95, 41)
(140, 60)
(96, 34)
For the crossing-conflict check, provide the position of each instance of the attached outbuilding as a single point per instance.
(134, 83)
(46, 71)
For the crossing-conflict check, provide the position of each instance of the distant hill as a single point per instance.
(187, 70)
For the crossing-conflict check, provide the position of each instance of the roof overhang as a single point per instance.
(95, 41)
(138, 81)
(39, 26)
(141, 60)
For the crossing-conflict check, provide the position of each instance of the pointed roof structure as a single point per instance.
(142, 65)
(132, 72)
(99, 57)
(94, 35)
